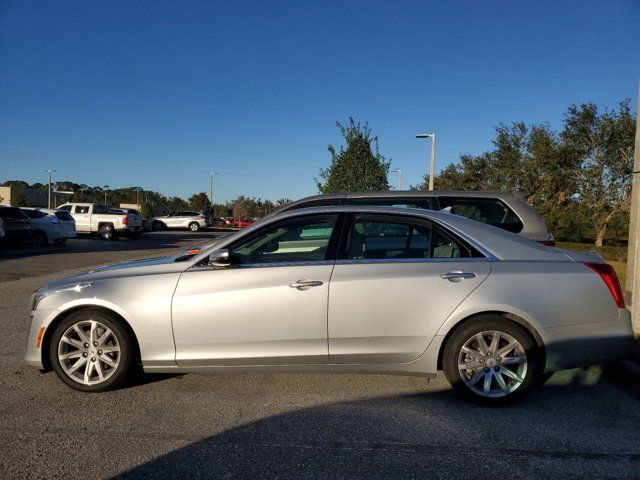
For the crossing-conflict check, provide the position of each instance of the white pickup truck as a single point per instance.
(97, 218)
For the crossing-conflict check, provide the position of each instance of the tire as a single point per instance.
(158, 226)
(112, 365)
(60, 241)
(40, 238)
(194, 226)
(523, 362)
(106, 231)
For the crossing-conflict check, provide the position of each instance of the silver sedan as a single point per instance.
(340, 289)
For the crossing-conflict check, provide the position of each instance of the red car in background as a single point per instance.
(238, 222)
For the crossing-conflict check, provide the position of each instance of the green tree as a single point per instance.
(146, 211)
(199, 201)
(359, 166)
(599, 146)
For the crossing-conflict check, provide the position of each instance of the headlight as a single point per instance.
(40, 294)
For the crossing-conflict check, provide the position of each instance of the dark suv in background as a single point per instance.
(17, 226)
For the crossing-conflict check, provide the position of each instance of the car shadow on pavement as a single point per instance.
(557, 430)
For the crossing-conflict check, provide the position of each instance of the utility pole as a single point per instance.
(49, 196)
(432, 166)
(633, 260)
(211, 175)
(399, 172)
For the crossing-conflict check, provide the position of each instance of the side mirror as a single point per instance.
(220, 258)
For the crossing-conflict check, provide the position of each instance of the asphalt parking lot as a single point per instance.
(286, 426)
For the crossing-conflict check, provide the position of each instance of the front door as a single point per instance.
(268, 307)
(395, 286)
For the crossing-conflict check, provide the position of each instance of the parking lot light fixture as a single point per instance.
(49, 196)
(211, 175)
(399, 172)
(432, 167)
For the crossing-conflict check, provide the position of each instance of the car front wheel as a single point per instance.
(91, 351)
(194, 226)
(491, 360)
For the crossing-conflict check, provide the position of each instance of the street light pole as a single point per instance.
(211, 175)
(399, 172)
(432, 167)
(49, 196)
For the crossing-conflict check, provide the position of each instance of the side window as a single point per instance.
(385, 239)
(98, 209)
(485, 210)
(81, 209)
(426, 203)
(298, 240)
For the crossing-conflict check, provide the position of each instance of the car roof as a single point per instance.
(493, 242)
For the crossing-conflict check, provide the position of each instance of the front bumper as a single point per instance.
(587, 344)
(38, 319)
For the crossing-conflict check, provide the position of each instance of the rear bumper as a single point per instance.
(588, 344)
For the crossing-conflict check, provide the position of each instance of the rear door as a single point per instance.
(396, 281)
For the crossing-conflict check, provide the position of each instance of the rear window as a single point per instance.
(13, 213)
(34, 214)
(425, 203)
(486, 210)
(64, 216)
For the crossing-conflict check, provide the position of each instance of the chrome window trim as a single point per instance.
(241, 266)
(411, 260)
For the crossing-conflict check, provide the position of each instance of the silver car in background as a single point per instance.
(340, 289)
(194, 221)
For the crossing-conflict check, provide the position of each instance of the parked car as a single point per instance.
(50, 225)
(500, 209)
(106, 221)
(341, 289)
(194, 221)
(217, 222)
(238, 222)
(16, 226)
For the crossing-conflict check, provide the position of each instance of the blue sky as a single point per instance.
(157, 94)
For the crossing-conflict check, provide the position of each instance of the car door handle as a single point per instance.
(305, 284)
(458, 276)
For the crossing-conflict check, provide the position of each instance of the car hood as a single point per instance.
(148, 266)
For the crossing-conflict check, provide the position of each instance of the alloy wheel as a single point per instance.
(89, 352)
(492, 364)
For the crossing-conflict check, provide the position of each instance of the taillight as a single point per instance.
(548, 243)
(610, 279)
(125, 220)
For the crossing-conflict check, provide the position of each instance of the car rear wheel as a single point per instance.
(106, 231)
(40, 238)
(91, 351)
(194, 226)
(491, 360)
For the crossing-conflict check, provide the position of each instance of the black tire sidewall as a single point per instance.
(104, 229)
(40, 238)
(124, 339)
(482, 323)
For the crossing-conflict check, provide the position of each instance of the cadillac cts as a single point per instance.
(341, 289)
